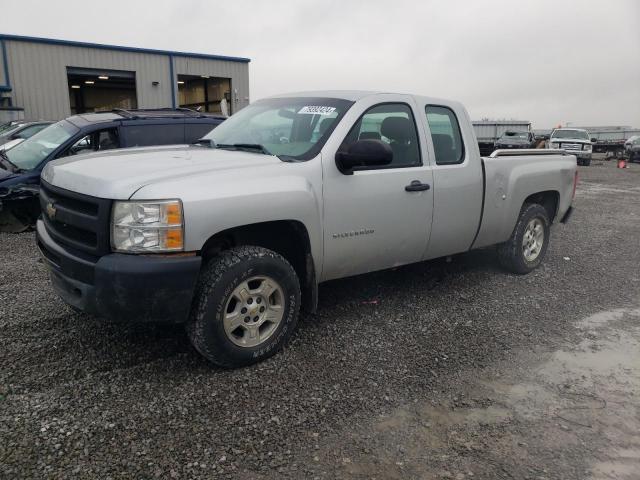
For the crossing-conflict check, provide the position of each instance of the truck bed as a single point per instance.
(509, 175)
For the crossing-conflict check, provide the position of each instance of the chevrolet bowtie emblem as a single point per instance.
(51, 210)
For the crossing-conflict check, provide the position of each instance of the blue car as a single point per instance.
(20, 167)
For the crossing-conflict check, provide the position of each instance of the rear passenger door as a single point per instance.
(458, 180)
(153, 132)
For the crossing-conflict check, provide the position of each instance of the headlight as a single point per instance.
(554, 145)
(147, 226)
(587, 147)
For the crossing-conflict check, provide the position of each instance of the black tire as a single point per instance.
(218, 280)
(579, 162)
(510, 253)
(586, 162)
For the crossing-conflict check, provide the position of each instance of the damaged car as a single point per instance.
(510, 139)
(20, 166)
(20, 131)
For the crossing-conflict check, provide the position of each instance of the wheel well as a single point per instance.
(289, 238)
(549, 200)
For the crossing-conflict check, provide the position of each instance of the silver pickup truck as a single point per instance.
(232, 236)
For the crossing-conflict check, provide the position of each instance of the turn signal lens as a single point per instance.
(173, 212)
(173, 239)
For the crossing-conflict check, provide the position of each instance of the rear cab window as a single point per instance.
(445, 135)
(153, 133)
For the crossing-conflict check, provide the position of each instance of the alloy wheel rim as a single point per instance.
(253, 311)
(533, 239)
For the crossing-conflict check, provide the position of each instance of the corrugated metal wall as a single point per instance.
(39, 76)
(3, 78)
(238, 73)
(490, 131)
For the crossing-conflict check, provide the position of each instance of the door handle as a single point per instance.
(417, 186)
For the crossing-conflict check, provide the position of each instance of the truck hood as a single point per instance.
(118, 174)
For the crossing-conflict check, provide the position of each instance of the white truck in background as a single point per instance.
(575, 141)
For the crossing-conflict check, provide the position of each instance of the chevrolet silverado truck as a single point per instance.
(231, 236)
(574, 141)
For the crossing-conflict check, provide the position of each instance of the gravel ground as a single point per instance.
(433, 370)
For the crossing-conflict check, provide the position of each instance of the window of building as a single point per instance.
(204, 93)
(445, 133)
(394, 124)
(92, 90)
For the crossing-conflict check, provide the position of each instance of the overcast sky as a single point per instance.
(548, 61)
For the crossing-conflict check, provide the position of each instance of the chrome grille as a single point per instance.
(571, 146)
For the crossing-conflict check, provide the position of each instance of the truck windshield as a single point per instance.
(292, 128)
(34, 150)
(577, 134)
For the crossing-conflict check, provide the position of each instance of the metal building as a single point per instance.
(51, 79)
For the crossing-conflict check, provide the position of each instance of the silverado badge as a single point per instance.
(51, 210)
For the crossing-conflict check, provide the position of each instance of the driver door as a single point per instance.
(371, 220)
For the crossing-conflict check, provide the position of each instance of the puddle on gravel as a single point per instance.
(602, 319)
(586, 394)
(597, 189)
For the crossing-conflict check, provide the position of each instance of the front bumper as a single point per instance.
(580, 153)
(139, 288)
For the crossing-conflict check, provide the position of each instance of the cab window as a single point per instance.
(391, 123)
(144, 135)
(445, 134)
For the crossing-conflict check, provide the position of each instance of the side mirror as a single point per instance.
(594, 140)
(363, 154)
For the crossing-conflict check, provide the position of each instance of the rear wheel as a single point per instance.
(246, 307)
(527, 246)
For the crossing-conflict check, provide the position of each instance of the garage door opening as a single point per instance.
(92, 90)
(204, 93)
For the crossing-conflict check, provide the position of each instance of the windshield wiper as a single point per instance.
(252, 147)
(205, 141)
(8, 164)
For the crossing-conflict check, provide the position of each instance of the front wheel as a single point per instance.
(527, 246)
(246, 306)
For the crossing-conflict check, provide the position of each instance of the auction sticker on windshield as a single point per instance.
(317, 110)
